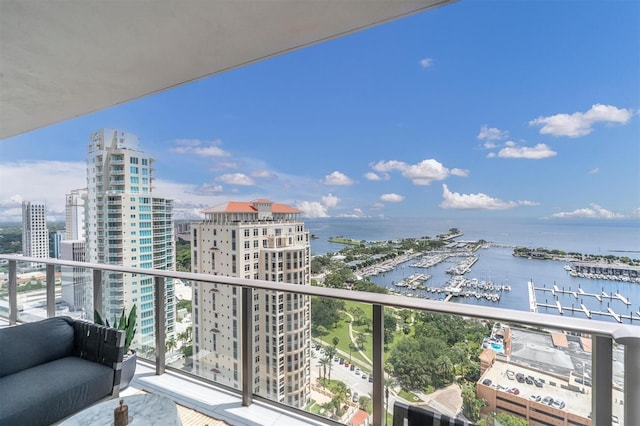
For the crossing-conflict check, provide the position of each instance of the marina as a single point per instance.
(582, 308)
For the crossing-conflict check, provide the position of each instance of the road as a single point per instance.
(339, 372)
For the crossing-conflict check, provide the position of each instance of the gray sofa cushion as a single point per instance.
(75, 384)
(31, 344)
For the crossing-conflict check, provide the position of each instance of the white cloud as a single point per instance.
(426, 62)
(392, 198)
(195, 146)
(427, 171)
(387, 166)
(330, 201)
(594, 171)
(491, 134)
(480, 201)
(377, 206)
(312, 208)
(581, 123)
(538, 152)
(338, 179)
(592, 212)
(355, 213)
(264, 174)
(460, 172)
(224, 165)
(38, 181)
(376, 177)
(489, 145)
(236, 179)
(422, 173)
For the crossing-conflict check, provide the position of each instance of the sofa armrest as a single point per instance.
(101, 344)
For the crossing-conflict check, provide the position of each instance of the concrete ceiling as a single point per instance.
(65, 58)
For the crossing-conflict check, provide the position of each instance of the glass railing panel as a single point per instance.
(32, 294)
(208, 341)
(341, 359)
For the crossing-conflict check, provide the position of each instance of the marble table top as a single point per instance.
(144, 410)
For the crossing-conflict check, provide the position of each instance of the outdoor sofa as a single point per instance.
(53, 368)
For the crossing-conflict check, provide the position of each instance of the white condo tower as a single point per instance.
(127, 226)
(253, 240)
(35, 235)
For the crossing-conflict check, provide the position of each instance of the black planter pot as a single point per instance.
(128, 369)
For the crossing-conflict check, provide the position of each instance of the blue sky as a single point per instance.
(478, 108)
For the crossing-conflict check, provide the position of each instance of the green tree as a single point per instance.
(325, 311)
(389, 382)
(471, 405)
(390, 325)
(171, 344)
(329, 353)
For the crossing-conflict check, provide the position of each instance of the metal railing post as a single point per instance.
(631, 379)
(247, 345)
(160, 324)
(601, 396)
(51, 291)
(97, 292)
(13, 293)
(379, 413)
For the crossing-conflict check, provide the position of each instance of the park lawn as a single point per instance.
(341, 331)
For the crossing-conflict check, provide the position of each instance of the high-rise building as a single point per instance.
(35, 235)
(74, 220)
(77, 289)
(126, 225)
(253, 240)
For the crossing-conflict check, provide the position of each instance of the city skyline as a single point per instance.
(475, 108)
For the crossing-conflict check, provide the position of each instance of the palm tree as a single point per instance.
(323, 362)
(330, 352)
(352, 347)
(335, 341)
(388, 383)
(171, 344)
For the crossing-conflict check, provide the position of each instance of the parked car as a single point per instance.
(547, 400)
(346, 363)
(585, 382)
(352, 367)
(486, 382)
(514, 391)
(529, 380)
(538, 383)
(511, 375)
(341, 361)
(357, 371)
(558, 403)
(364, 376)
(355, 397)
(370, 379)
(615, 420)
(536, 398)
(520, 377)
(335, 358)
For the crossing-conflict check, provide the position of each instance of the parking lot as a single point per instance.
(355, 379)
(538, 371)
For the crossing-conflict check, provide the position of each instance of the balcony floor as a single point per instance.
(206, 399)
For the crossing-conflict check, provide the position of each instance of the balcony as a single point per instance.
(237, 406)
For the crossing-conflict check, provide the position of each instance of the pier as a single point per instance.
(582, 308)
(581, 293)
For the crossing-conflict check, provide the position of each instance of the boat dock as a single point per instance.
(582, 308)
(581, 293)
(589, 313)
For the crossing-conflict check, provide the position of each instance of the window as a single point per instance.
(133, 170)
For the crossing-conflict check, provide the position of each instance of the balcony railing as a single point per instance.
(604, 334)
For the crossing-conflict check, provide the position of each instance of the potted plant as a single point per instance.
(127, 323)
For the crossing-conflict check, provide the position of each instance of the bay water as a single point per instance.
(619, 237)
